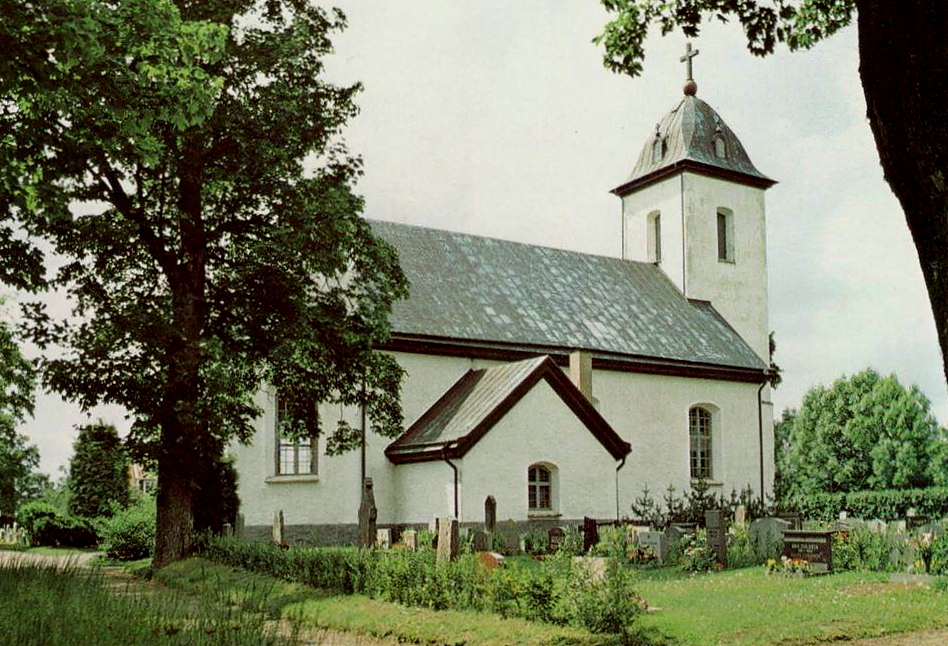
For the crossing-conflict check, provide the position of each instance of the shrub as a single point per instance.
(886, 505)
(572, 542)
(861, 549)
(696, 554)
(130, 534)
(740, 551)
(615, 542)
(554, 591)
(534, 543)
(47, 525)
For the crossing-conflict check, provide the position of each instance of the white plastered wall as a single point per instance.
(540, 428)
(648, 411)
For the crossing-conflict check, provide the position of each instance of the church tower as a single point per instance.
(694, 205)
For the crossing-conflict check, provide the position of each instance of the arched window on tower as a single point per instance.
(725, 224)
(654, 236)
(699, 431)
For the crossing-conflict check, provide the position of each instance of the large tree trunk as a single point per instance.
(174, 522)
(186, 441)
(903, 53)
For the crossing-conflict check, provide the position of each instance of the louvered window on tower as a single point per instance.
(655, 236)
(725, 222)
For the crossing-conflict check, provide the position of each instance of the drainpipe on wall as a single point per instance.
(760, 437)
(621, 464)
(444, 456)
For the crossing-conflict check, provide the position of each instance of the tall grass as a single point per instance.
(65, 606)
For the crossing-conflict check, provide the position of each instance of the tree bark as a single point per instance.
(186, 440)
(903, 53)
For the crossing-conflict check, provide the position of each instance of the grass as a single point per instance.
(57, 551)
(64, 606)
(748, 608)
(360, 615)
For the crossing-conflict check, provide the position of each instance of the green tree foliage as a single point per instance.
(19, 459)
(863, 433)
(184, 157)
(902, 47)
(98, 471)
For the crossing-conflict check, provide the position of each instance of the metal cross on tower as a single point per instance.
(689, 54)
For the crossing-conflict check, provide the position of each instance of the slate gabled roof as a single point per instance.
(688, 133)
(479, 399)
(549, 301)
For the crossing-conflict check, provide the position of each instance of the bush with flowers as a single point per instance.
(787, 566)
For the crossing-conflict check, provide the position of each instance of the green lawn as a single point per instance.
(747, 607)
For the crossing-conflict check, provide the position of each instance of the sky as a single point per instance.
(497, 118)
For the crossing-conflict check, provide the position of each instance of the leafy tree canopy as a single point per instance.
(98, 471)
(184, 157)
(865, 432)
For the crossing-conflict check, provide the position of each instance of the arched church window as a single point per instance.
(655, 236)
(540, 487)
(293, 456)
(725, 224)
(699, 430)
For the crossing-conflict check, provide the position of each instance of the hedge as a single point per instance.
(884, 505)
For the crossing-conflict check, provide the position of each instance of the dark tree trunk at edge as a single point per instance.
(174, 522)
(903, 53)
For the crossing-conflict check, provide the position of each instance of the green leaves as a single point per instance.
(799, 24)
(866, 432)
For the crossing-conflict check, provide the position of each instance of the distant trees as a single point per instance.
(865, 432)
(19, 480)
(98, 471)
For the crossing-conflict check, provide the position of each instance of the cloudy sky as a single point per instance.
(496, 118)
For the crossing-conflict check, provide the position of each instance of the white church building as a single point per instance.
(561, 383)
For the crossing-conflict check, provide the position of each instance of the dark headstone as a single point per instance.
(481, 541)
(914, 522)
(590, 534)
(490, 515)
(508, 529)
(554, 538)
(716, 530)
(816, 548)
(447, 539)
(367, 515)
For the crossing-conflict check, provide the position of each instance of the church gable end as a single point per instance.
(480, 399)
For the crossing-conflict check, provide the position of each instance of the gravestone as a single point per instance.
(278, 527)
(396, 536)
(766, 536)
(716, 529)
(447, 539)
(914, 522)
(876, 526)
(410, 538)
(481, 541)
(657, 542)
(740, 516)
(816, 548)
(490, 560)
(490, 515)
(367, 515)
(794, 518)
(508, 529)
(383, 538)
(239, 526)
(590, 534)
(592, 567)
(675, 531)
(554, 538)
